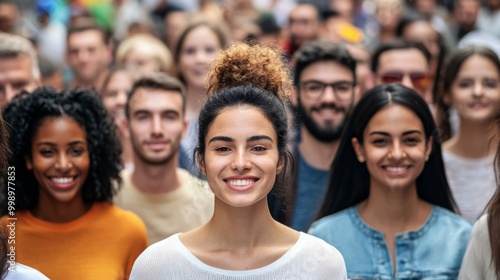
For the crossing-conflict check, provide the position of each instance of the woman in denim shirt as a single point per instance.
(389, 209)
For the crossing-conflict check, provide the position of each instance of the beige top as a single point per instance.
(181, 210)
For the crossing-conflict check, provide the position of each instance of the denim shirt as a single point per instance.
(434, 251)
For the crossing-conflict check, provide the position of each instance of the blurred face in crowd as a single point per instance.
(156, 125)
(87, 55)
(174, 23)
(9, 16)
(304, 25)
(325, 95)
(363, 73)
(114, 95)
(475, 92)
(197, 52)
(426, 7)
(466, 12)
(423, 32)
(16, 75)
(142, 60)
(388, 13)
(408, 67)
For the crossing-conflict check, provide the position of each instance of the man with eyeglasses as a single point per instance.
(325, 86)
(404, 62)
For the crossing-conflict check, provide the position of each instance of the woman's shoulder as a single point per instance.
(337, 220)
(448, 218)
(327, 259)
(159, 256)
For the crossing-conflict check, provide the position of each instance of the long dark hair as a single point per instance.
(26, 113)
(350, 179)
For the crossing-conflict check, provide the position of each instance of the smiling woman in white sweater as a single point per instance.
(242, 150)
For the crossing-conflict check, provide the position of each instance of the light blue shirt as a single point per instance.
(434, 251)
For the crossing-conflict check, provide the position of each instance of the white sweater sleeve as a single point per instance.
(477, 259)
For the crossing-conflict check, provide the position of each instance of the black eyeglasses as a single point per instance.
(313, 90)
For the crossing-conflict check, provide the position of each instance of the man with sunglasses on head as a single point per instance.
(403, 62)
(325, 87)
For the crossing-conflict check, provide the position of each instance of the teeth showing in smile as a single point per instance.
(241, 182)
(396, 169)
(62, 180)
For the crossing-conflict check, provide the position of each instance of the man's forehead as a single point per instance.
(403, 59)
(20, 64)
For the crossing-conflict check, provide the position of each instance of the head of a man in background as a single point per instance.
(404, 62)
(325, 83)
(18, 67)
(155, 111)
(87, 54)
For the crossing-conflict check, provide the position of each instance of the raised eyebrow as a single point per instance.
(259, 137)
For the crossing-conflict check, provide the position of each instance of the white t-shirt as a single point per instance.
(472, 182)
(309, 258)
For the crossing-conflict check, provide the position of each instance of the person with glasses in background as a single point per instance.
(404, 62)
(325, 86)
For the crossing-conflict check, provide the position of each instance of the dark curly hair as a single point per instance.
(25, 115)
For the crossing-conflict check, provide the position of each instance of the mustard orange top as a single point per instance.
(101, 244)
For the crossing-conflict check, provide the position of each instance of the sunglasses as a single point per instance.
(420, 80)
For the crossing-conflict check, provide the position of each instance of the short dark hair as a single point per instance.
(87, 26)
(350, 180)
(268, 103)
(319, 51)
(158, 80)
(27, 112)
(397, 44)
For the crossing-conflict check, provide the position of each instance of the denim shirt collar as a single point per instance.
(373, 233)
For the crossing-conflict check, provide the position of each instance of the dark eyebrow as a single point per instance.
(77, 142)
(249, 139)
(259, 137)
(221, 138)
(387, 134)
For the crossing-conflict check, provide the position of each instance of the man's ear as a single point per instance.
(358, 149)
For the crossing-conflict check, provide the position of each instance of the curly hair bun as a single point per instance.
(256, 65)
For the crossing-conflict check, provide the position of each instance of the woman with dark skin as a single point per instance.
(66, 158)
